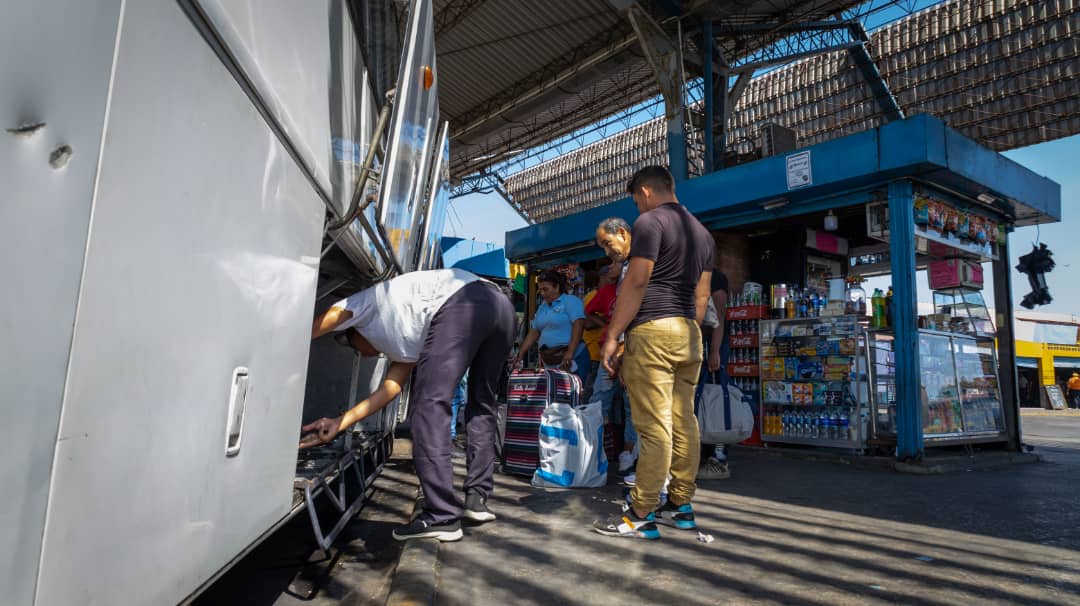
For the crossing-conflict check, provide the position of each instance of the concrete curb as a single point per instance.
(415, 578)
(932, 465)
(821, 456)
(973, 463)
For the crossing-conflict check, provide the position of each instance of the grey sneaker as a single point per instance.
(713, 469)
(476, 509)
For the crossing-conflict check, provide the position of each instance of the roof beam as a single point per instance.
(454, 13)
(729, 29)
(756, 65)
(878, 86)
(595, 52)
(665, 58)
(487, 182)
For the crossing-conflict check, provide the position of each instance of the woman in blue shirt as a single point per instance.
(558, 325)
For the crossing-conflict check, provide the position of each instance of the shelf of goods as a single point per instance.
(743, 342)
(959, 387)
(814, 389)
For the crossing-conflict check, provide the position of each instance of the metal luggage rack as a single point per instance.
(324, 471)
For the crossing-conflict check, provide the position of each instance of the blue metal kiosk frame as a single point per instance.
(851, 171)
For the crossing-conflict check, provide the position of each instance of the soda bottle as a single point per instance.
(877, 303)
(845, 426)
(835, 427)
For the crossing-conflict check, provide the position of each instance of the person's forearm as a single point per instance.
(631, 294)
(327, 321)
(370, 405)
(701, 296)
(396, 376)
(717, 339)
(575, 336)
(527, 344)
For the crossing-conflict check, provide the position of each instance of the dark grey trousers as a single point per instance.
(473, 330)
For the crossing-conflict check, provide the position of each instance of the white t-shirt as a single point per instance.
(394, 316)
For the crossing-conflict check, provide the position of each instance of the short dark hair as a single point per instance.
(554, 277)
(651, 176)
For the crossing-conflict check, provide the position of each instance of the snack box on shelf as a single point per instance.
(772, 368)
(810, 370)
(777, 392)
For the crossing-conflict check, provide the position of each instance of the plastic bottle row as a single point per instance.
(742, 327)
(824, 423)
(747, 385)
(743, 356)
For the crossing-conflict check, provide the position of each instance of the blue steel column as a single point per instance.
(1006, 345)
(909, 438)
(678, 162)
(707, 76)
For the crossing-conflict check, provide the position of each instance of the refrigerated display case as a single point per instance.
(814, 382)
(961, 401)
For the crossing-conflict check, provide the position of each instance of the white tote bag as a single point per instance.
(572, 447)
(723, 416)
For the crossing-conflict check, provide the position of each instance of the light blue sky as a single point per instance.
(488, 218)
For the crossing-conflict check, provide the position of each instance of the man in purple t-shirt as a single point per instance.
(660, 305)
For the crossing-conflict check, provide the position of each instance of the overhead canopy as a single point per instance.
(514, 74)
(481, 258)
(845, 172)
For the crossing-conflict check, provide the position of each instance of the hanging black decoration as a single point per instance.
(1036, 264)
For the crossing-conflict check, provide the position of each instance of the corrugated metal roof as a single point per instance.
(493, 52)
(1004, 74)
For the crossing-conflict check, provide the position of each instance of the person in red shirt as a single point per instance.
(613, 235)
(598, 309)
(595, 322)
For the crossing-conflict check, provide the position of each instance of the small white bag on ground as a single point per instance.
(572, 447)
(723, 420)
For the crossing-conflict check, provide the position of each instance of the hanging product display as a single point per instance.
(944, 228)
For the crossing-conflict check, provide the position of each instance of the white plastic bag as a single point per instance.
(723, 420)
(572, 447)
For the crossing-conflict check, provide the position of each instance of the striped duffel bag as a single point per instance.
(528, 394)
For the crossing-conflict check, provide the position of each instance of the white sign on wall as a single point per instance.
(798, 170)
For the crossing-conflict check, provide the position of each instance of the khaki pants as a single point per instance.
(660, 369)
